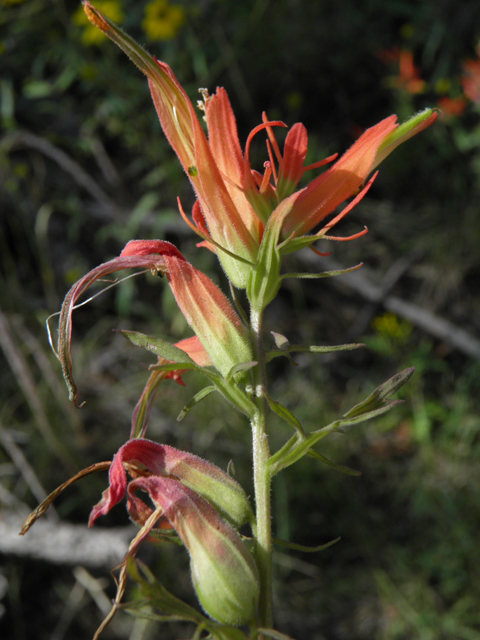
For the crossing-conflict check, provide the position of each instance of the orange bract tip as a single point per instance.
(94, 17)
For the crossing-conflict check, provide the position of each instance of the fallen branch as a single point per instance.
(108, 209)
(62, 543)
(418, 316)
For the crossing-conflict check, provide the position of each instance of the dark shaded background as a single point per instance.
(84, 168)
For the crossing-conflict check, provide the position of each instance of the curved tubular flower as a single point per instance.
(192, 347)
(179, 121)
(208, 480)
(204, 306)
(224, 572)
(225, 146)
(349, 173)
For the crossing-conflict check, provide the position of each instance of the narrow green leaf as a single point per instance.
(286, 415)
(375, 405)
(337, 347)
(166, 536)
(195, 400)
(324, 274)
(291, 454)
(172, 366)
(301, 547)
(379, 397)
(231, 392)
(348, 422)
(275, 460)
(159, 347)
(296, 348)
(141, 608)
(292, 244)
(238, 304)
(223, 632)
(333, 465)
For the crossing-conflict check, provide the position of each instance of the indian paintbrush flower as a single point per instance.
(250, 220)
(234, 204)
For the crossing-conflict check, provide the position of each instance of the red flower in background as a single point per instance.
(471, 80)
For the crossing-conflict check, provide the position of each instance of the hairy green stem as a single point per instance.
(262, 479)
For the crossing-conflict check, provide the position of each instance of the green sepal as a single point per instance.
(206, 391)
(323, 274)
(286, 415)
(285, 350)
(375, 405)
(333, 465)
(264, 280)
(292, 244)
(301, 547)
(159, 347)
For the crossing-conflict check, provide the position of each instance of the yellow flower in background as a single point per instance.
(389, 325)
(162, 20)
(91, 35)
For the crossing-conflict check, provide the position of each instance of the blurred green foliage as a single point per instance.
(84, 168)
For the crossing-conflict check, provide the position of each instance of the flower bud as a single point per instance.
(224, 572)
(205, 478)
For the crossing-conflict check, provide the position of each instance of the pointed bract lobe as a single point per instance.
(294, 155)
